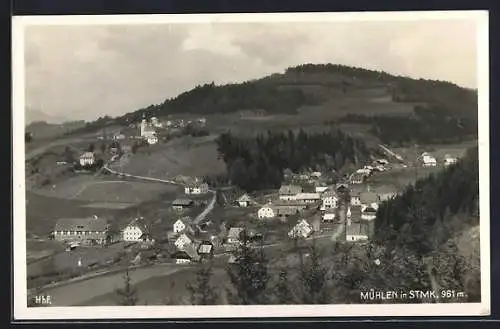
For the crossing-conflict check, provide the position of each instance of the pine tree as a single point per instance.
(283, 289)
(202, 292)
(313, 277)
(127, 296)
(249, 276)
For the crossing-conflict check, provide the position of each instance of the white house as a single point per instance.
(329, 200)
(320, 189)
(316, 174)
(355, 199)
(87, 159)
(134, 231)
(364, 171)
(357, 232)
(301, 230)
(186, 256)
(183, 240)
(289, 192)
(449, 160)
(428, 160)
(243, 201)
(267, 211)
(307, 197)
(196, 188)
(329, 215)
(368, 213)
(182, 224)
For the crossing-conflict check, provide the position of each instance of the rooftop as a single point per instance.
(182, 202)
(357, 229)
(290, 189)
(368, 197)
(81, 224)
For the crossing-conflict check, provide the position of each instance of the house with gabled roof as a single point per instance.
(244, 200)
(206, 250)
(182, 204)
(329, 215)
(368, 213)
(183, 240)
(329, 199)
(301, 230)
(197, 187)
(88, 230)
(267, 211)
(184, 224)
(135, 230)
(307, 197)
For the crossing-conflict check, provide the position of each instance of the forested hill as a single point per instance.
(259, 162)
(312, 84)
(433, 209)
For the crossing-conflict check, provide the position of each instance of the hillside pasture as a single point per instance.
(98, 190)
(181, 156)
(438, 151)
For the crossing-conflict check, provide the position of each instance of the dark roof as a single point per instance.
(81, 224)
(190, 250)
(290, 189)
(355, 212)
(182, 202)
(357, 229)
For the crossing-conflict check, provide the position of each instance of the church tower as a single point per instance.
(143, 124)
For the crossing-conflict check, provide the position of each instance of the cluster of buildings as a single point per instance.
(360, 175)
(429, 160)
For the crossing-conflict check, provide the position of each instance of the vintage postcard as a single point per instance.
(251, 165)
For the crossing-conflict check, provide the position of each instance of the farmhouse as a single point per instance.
(449, 160)
(206, 250)
(307, 197)
(357, 178)
(196, 188)
(357, 232)
(134, 231)
(88, 231)
(355, 199)
(330, 200)
(267, 211)
(301, 230)
(87, 159)
(244, 200)
(368, 213)
(330, 215)
(183, 224)
(182, 204)
(183, 240)
(428, 160)
(289, 192)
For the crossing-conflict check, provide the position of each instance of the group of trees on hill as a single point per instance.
(258, 163)
(429, 125)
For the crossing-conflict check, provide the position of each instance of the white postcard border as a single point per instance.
(22, 312)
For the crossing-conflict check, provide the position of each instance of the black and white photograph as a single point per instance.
(251, 165)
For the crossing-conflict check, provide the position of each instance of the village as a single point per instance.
(307, 206)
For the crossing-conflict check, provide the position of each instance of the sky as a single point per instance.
(87, 71)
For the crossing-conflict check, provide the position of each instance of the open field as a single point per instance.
(181, 156)
(438, 151)
(106, 189)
